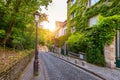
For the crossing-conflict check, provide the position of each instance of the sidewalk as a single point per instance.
(28, 72)
(106, 73)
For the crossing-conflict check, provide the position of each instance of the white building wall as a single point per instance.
(62, 31)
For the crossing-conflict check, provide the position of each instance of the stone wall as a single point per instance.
(109, 53)
(13, 72)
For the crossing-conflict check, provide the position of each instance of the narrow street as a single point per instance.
(59, 39)
(59, 70)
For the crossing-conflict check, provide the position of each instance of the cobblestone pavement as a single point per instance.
(60, 70)
(104, 72)
(28, 72)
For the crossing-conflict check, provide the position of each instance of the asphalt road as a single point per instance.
(60, 70)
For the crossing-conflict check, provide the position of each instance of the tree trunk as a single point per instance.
(12, 21)
(8, 33)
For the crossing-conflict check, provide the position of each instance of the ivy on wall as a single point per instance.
(102, 34)
(76, 40)
(96, 37)
(62, 40)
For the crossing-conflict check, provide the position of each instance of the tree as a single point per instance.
(15, 16)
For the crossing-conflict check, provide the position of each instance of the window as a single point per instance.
(92, 2)
(93, 20)
(65, 31)
(72, 29)
(73, 2)
(73, 15)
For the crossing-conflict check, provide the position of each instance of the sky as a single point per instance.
(57, 11)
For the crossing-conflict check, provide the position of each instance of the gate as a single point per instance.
(118, 49)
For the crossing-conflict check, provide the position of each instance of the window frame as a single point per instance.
(92, 18)
(73, 2)
(91, 4)
(73, 29)
(73, 15)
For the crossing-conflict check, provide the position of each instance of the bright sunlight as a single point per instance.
(49, 25)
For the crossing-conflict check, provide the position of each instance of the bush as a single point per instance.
(102, 34)
(92, 41)
(95, 56)
(62, 40)
(77, 42)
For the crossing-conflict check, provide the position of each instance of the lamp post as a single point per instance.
(37, 16)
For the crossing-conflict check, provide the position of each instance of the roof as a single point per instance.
(60, 24)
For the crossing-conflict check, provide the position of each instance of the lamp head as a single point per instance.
(37, 16)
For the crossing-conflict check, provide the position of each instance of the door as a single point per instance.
(118, 49)
(66, 49)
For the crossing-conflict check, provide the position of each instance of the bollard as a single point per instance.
(84, 64)
(62, 56)
(76, 61)
(68, 58)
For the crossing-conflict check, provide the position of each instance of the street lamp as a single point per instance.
(37, 16)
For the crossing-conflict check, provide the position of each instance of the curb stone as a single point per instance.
(81, 68)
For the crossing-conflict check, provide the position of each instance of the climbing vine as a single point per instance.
(97, 36)
(62, 40)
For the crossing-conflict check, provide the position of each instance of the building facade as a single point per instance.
(60, 31)
(61, 28)
(84, 14)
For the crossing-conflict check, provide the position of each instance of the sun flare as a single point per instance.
(50, 26)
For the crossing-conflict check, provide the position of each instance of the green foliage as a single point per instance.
(17, 28)
(103, 34)
(95, 56)
(97, 36)
(94, 40)
(23, 40)
(107, 28)
(2, 33)
(77, 42)
(62, 40)
(50, 45)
